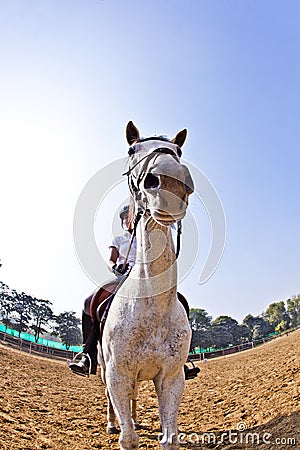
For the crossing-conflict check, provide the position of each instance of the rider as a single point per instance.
(90, 330)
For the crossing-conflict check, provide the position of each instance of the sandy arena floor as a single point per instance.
(44, 406)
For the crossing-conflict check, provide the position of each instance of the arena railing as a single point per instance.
(34, 348)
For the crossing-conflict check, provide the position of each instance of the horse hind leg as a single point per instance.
(134, 415)
(134, 408)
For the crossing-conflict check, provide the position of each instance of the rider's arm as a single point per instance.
(113, 258)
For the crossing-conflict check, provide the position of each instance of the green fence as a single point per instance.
(41, 341)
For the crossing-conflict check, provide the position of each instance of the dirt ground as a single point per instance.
(44, 406)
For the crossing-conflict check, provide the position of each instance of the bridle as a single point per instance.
(134, 182)
(134, 187)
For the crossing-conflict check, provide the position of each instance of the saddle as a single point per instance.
(100, 305)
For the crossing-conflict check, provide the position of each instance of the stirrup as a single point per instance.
(74, 362)
(193, 372)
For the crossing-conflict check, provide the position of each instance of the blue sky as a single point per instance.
(73, 73)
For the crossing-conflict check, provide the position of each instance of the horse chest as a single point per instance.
(146, 337)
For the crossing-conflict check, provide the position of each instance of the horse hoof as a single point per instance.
(137, 426)
(112, 430)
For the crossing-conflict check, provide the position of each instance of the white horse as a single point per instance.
(147, 333)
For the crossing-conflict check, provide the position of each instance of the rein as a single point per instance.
(136, 220)
(133, 234)
(179, 233)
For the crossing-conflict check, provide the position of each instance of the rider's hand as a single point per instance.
(118, 269)
(125, 270)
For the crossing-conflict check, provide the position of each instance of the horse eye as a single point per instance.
(131, 150)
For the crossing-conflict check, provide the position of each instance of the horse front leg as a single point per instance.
(111, 416)
(120, 390)
(169, 392)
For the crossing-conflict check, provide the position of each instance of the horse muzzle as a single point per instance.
(167, 197)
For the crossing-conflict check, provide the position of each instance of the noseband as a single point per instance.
(135, 187)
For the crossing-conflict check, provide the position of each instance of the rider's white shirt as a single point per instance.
(121, 243)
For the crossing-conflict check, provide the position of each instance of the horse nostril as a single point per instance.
(188, 189)
(151, 181)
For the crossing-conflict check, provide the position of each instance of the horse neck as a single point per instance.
(156, 266)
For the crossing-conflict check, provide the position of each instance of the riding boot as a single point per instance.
(193, 372)
(90, 346)
(88, 361)
(184, 303)
(86, 324)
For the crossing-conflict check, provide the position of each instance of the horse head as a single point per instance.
(157, 179)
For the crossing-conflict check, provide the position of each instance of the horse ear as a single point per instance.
(132, 133)
(180, 138)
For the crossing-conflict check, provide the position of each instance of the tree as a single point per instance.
(293, 310)
(200, 323)
(243, 333)
(258, 326)
(282, 326)
(226, 330)
(220, 337)
(42, 315)
(67, 328)
(250, 322)
(199, 319)
(23, 306)
(6, 304)
(261, 328)
(276, 314)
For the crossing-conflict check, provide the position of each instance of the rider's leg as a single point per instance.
(193, 372)
(86, 319)
(184, 303)
(90, 333)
